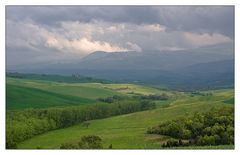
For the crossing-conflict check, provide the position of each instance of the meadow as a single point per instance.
(124, 131)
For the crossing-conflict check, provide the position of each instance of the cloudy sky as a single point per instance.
(60, 34)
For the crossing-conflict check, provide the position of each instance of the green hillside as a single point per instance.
(19, 97)
(79, 89)
(22, 93)
(129, 131)
(125, 131)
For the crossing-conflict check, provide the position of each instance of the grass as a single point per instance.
(88, 90)
(229, 101)
(125, 131)
(133, 89)
(78, 89)
(22, 93)
(19, 97)
(226, 147)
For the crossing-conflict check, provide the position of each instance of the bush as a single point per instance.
(206, 140)
(110, 146)
(186, 134)
(69, 146)
(90, 142)
(86, 142)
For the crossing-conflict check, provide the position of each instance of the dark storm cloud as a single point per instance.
(199, 19)
(50, 15)
(41, 34)
(186, 18)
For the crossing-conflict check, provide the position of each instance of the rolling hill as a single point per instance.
(19, 97)
(200, 68)
(25, 93)
(126, 131)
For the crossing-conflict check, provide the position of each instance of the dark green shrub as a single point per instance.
(90, 142)
(69, 146)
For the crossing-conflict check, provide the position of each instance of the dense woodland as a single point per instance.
(215, 127)
(25, 124)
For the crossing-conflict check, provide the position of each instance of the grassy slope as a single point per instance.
(207, 147)
(90, 90)
(19, 97)
(128, 131)
(22, 93)
(124, 131)
(78, 89)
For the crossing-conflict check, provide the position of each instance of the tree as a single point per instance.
(25, 124)
(206, 140)
(90, 142)
(110, 146)
(186, 134)
(175, 130)
(211, 128)
(180, 142)
(69, 146)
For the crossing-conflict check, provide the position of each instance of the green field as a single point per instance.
(22, 93)
(124, 131)
(19, 97)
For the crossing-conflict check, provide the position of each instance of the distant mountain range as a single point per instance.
(206, 67)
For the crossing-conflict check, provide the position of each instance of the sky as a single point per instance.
(50, 34)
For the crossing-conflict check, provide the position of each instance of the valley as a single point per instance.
(126, 131)
(86, 77)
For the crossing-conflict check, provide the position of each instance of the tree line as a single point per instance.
(163, 96)
(24, 124)
(111, 99)
(215, 127)
(152, 97)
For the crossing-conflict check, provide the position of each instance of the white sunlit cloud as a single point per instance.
(86, 37)
(60, 34)
(203, 39)
(83, 45)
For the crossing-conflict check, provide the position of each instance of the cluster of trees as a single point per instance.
(24, 124)
(110, 99)
(86, 142)
(215, 127)
(179, 142)
(163, 96)
(200, 93)
(23, 128)
(116, 98)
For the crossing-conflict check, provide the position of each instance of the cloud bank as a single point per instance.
(43, 34)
